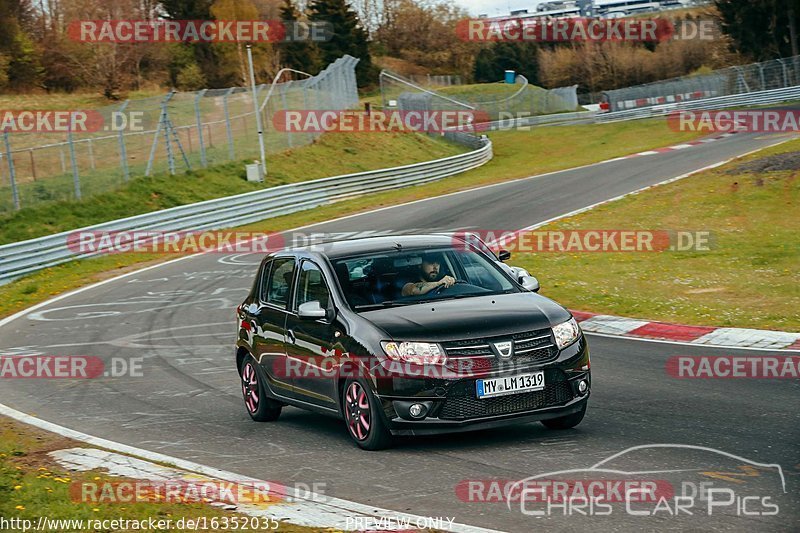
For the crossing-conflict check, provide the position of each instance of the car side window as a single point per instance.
(311, 286)
(264, 281)
(280, 280)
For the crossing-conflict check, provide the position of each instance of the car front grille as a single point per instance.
(477, 355)
(462, 402)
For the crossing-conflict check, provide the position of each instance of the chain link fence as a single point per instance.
(493, 101)
(170, 133)
(775, 74)
(436, 80)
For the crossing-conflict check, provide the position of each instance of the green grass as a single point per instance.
(485, 91)
(331, 155)
(554, 149)
(32, 485)
(749, 278)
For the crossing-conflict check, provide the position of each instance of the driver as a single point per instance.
(428, 277)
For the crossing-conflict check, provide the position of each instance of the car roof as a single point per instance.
(343, 248)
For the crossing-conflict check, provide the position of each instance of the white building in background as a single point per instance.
(599, 8)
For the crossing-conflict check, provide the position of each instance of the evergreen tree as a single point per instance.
(347, 37)
(19, 57)
(204, 55)
(297, 54)
(491, 62)
(762, 29)
(486, 69)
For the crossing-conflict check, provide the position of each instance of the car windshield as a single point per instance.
(378, 279)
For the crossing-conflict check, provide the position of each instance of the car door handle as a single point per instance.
(290, 336)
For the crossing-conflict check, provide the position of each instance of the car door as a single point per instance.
(270, 338)
(309, 341)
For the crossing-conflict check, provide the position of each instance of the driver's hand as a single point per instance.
(448, 281)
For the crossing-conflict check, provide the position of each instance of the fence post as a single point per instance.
(199, 121)
(228, 122)
(170, 156)
(12, 173)
(76, 179)
(123, 155)
(161, 123)
(33, 163)
(785, 74)
(285, 108)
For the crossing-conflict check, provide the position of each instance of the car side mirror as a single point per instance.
(504, 255)
(529, 283)
(311, 311)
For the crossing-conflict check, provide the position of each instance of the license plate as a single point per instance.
(488, 388)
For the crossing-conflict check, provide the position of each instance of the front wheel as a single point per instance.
(361, 413)
(259, 407)
(566, 422)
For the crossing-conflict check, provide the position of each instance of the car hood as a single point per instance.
(465, 318)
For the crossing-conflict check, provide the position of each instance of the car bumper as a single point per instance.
(434, 426)
(452, 405)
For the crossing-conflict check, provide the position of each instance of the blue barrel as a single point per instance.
(511, 76)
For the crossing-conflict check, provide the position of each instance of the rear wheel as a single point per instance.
(361, 413)
(566, 422)
(259, 407)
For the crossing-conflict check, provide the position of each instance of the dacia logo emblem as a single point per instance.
(504, 349)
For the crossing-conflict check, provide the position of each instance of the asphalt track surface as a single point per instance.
(179, 318)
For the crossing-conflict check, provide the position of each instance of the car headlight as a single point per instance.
(423, 353)
(566, 333)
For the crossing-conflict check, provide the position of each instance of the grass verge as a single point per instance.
(749, 278)
(32, 485)
(331, 155)
(517, 154)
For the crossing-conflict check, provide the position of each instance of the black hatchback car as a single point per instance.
(407, 335)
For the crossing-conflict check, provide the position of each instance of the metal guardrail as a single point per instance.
(760, 98)
(746, 100)
(25, 257)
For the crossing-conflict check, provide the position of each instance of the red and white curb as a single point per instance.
(699, 335)
(676, 147)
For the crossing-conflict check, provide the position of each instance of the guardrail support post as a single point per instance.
(11, 171)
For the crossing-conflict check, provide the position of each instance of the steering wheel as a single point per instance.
(438, 290)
